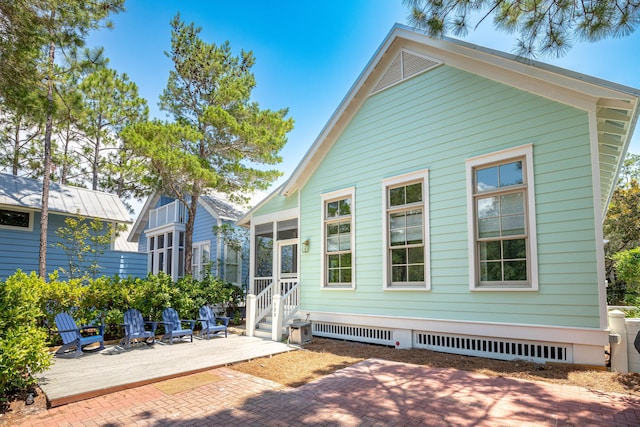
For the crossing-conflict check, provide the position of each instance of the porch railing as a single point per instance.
(263, 303)
(167, 214)
(261, 283)
(282, 302)
(291, 301)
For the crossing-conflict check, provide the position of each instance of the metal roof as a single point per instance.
(224, 209)
(212, 202)
(64, 199)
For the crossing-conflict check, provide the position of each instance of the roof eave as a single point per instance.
(590, 88)
(245, 220)
(143, 217)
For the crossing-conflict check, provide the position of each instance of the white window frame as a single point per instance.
(238, 264)
(525, 153)
(29, 227)
(153, 252)
(198, 247)
(326, 198)
(421, 176)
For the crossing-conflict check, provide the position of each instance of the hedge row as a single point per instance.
(28, 305)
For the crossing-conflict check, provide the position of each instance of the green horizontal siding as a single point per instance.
(436, 121)
(277, 204)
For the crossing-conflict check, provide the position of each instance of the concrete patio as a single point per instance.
(115, 369)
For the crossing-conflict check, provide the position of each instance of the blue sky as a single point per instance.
(309, 53)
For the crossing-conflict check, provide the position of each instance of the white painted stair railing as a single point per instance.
(281, 305)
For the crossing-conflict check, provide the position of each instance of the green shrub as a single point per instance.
(104, 301)
(153, 294)
(23, 348)
(627, 264)
(28, 306)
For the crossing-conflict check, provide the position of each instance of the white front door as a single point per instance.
(287, 262)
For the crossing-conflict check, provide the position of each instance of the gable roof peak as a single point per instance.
(564, 86)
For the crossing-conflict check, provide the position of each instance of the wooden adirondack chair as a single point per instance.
(209, 322)
(135, 328)
(73, 338)
(173, 325)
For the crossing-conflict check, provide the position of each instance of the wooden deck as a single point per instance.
(114, 369)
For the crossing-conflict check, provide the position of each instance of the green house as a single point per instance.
(454, 202)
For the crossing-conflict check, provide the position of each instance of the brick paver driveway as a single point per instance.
(370, 393)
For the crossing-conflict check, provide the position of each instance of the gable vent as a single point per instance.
(404, 66)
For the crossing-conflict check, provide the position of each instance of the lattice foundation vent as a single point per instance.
(494, 348)
(353, 333)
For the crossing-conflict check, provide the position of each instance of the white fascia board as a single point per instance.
(143, 217)
(277, 216)
(565, 86)
(320, 147)
(209, 209)
(590, 85)
(245, 220)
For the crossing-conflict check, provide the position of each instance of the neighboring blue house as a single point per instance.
(20, 206)
(159, 232)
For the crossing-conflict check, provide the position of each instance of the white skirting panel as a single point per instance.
(522, 342)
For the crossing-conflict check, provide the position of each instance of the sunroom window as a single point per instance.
(162, 253)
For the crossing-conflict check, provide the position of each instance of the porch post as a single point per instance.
(251, 315)
(619, 357)
(278, 315)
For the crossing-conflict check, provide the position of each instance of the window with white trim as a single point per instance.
(338, 239)
(406, 239)
(501, 197)
(161, 253)
(16, 219)
(200, 259)
(231, 264)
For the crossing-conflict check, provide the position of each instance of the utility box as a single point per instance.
(633, 338)
(300, 333)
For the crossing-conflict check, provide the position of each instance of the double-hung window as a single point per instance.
(338, 239)
(502, 221)
(231, 264)
(200, 259)
(406, 231)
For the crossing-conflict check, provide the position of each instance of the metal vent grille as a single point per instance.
(353, 333)
(404, 66)
(494, 348)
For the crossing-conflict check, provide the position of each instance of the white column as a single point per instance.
(619, 359)
(251, 315)
(175, 254)
(278, 315)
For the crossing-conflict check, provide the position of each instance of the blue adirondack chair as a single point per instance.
(136, 328)
(173, 325)
(210, 324)
(73, 340)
